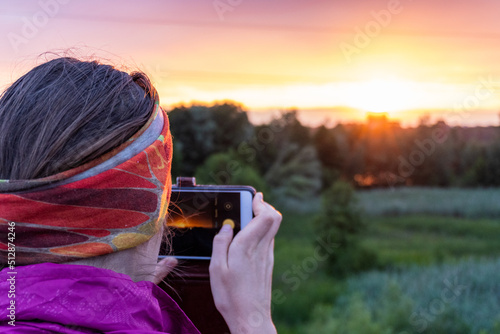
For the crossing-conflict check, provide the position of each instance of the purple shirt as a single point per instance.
(71, 299)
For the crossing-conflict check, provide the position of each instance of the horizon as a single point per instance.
(334, 116)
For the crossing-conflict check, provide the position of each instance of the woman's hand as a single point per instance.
(241, 271)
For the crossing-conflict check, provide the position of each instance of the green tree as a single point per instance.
(232, 126)
(177, 160)
(340, 224)
(200, 131)
(227, 169)
(193, 130)
(270, 140)
(295, 176)
(295, 132)
(329, 154)
(486, 170)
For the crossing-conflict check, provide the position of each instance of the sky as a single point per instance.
(334, 61)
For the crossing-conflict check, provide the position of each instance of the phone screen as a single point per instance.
(195, 217)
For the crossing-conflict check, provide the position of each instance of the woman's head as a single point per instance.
(85, 157)
(65, 113)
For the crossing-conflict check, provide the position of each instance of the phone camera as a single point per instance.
(228, 206)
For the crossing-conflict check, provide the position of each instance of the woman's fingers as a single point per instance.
(221, 247)
(257, 202)
(265, 225)
(163, 268)
(241, 271)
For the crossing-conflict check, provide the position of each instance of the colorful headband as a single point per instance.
(115, 202)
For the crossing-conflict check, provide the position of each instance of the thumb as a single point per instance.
(163, 268)
(221, 247)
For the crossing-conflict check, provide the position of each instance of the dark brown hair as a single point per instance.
(67, 112)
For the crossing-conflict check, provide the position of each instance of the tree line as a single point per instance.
(219, 145)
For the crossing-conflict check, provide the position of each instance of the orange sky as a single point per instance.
(336, 59)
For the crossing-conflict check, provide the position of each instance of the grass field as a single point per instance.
(413, 242)
(440, 299)
(450, 202)
(426, 239)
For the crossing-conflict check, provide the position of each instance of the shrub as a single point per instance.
(340, 224)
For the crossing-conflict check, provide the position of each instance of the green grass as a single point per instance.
(415, 232)
(294, 242)
(425, 239)
(450, 202)
(298, 281)
(456, 298)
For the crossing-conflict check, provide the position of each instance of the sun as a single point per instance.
(385, 95)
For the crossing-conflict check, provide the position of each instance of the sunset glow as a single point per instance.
(381, 95)
(284, 54)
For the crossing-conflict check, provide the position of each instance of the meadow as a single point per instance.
(437, 271)
(449, 202)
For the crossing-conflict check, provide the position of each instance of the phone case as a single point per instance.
(190, 286)
(191, 290)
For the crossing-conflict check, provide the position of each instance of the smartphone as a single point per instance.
(197, 213)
